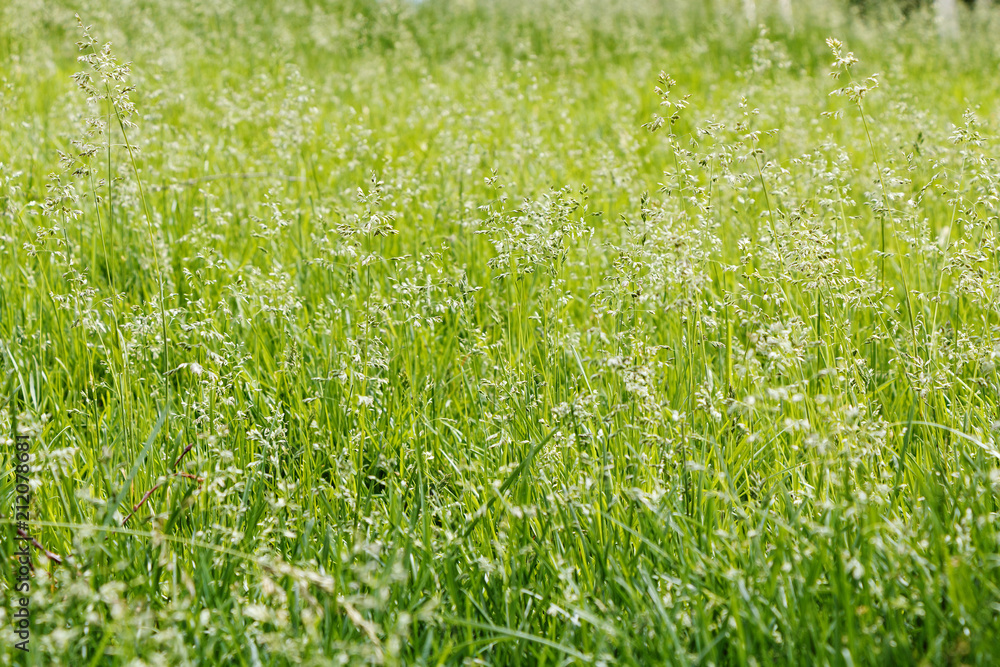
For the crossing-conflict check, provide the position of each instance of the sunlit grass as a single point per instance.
(447, 333)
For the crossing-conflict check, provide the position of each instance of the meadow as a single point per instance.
(534, 332)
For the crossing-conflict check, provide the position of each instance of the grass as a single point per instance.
(455, 333)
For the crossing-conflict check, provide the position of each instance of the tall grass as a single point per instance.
(437, 333)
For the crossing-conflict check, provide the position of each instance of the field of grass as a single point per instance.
(534, 332)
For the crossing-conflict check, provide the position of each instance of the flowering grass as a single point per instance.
(522, 333)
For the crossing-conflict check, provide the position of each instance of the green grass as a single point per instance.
(388, 333)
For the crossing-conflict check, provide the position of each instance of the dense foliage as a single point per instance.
(456, 333)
